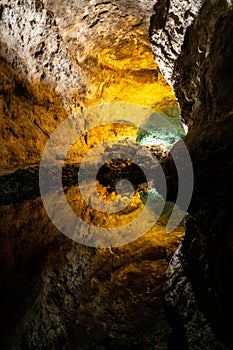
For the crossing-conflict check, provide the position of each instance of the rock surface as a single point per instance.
(168, 28)
(51, 287)
(201, 75)
(32, 43)
(57, 58)
(29, 113)
(193, 331)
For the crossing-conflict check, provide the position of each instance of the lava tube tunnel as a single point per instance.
(116, 133)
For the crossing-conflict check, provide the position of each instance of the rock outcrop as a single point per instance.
(197, 62)
(168, 28)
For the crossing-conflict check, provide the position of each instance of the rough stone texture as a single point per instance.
(60, 57)
(168, 29)
(193, 331)
(29, 113)
(202, 79)
(118, 48)
(47, 40)
(56, 58)
(48, 284)
(32, 44)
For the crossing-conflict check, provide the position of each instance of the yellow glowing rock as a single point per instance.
(124, 71)
(121, 68)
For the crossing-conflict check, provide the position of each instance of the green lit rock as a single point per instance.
(161, 129)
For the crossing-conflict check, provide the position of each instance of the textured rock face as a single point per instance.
(29, 113)
(201, 74)
(193, 330)
(55, 60)
(47, 41)
(32, 43)
(168, 28)
(58, 57)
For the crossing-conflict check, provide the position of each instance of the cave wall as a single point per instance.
(32, 44)
(192, 44)
(29, 113)
(198, 64)
(169, 24)
(55, 293)
(57, 59)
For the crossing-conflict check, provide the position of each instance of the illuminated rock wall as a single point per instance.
(57, 58)
(68, 57)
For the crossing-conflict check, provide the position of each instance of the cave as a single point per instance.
(116, 173)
